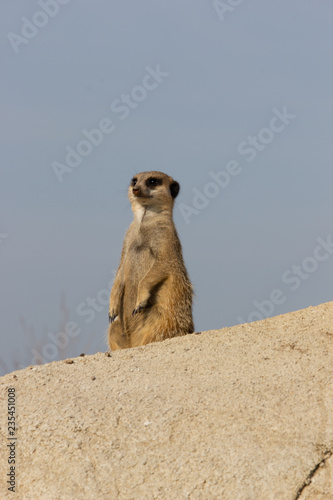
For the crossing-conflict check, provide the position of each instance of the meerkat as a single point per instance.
(151, 297)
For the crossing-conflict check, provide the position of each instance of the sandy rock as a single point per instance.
(239, 413)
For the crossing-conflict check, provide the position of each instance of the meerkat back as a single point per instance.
(151, 298)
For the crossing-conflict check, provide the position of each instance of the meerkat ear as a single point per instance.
(174, 189)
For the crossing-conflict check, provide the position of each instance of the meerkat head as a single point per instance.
(154, 190)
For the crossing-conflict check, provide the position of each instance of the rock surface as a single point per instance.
(242, 413)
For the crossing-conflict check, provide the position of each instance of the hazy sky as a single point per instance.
(233, 99)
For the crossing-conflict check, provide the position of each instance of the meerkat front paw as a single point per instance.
(140, 306)
(112, 316)
(115, 301)
(114, 307)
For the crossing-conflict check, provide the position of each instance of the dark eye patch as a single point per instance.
(134, 181)
(153, 181)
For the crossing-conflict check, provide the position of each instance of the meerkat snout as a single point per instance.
(136, 191)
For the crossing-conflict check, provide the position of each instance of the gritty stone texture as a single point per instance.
(242, 413)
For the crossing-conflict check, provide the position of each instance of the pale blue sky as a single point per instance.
(225, 77)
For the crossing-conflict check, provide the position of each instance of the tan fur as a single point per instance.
(151, 298)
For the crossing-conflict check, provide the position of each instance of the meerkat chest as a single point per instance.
(141, 249)
(139, 260)
(144, 239)
(140, 252)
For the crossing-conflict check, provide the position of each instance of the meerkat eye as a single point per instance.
(153, 181)
(134, 181)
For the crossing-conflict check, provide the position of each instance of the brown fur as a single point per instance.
(151, 298)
